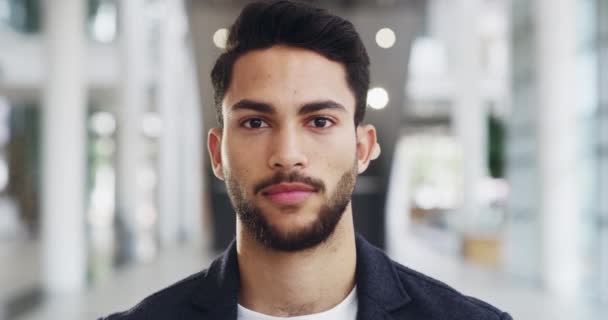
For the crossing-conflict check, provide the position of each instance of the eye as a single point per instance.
(255, 123)
(321, 122)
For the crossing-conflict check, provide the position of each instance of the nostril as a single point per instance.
(285, 157)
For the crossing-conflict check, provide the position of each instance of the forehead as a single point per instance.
(287, 77)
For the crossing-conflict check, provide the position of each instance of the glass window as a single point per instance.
(21, 15)
(25, 16)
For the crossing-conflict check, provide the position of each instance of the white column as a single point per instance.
(602, 9)
(181, 144)
(171, 83)
(468, 112)
(63, 149)
(193, 155)
(133, 101)
(557, 133)
(521, 240)
(397, 200)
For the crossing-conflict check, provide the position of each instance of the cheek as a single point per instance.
(336, 156)
(232, 155)
(241, 160)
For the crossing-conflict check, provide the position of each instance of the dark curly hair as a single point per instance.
(263, 24)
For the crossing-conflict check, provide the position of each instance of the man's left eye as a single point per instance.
(320, 122)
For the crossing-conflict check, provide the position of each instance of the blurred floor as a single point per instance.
(126, 288)
(520, 298)
(19, 275)
(129, 286)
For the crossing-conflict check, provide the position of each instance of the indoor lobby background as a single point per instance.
(492, 117)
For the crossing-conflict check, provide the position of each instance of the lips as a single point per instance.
(288, 193)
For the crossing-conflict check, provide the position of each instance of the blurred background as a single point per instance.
(492, 116)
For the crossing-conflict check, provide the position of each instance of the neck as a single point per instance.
(297, 283)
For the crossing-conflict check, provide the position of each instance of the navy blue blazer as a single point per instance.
(385, 289)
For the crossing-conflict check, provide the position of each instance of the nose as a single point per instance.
(287, 150)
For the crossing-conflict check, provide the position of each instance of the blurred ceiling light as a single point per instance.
(377, 98)
(151, 125)
(104, 26)
(220, 37)
(103, 123)
(386, 38)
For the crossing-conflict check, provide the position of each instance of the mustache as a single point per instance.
(284, 177)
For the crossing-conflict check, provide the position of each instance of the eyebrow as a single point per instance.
(320, 105)
(254, 106)
(306, 108)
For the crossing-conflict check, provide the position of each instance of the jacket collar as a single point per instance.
(379, 288)
(218, 291)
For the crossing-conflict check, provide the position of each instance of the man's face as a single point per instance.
(289, 149)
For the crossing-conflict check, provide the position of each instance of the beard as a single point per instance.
(262, 230)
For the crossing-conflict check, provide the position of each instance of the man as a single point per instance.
(290, 93)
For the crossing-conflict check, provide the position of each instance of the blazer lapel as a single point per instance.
(368, 309)
(217, 294)
(379, 288)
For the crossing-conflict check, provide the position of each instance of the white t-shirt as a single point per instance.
(346, 310)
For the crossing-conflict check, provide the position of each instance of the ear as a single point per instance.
(214, 145)
(368, 148)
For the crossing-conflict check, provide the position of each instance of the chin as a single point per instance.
(292, 222)
(292, 228)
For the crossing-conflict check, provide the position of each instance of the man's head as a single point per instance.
(290, 94)
(265, 24)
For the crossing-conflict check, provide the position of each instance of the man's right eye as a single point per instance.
(254, 123)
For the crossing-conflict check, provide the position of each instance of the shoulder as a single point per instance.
(437, 298)
(163, 304)
(214, 288)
